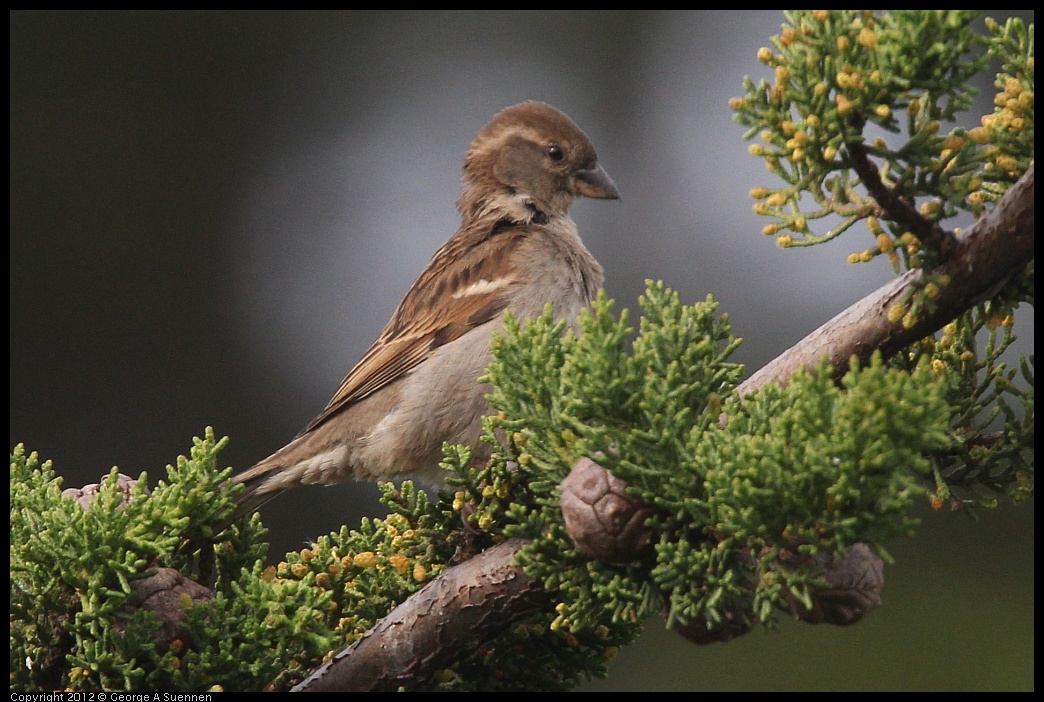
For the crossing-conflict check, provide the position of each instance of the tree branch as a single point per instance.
(468, 604)
(997, 247)
(931, 235)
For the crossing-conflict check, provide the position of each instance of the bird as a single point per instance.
(417, 386)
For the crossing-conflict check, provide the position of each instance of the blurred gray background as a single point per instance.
(213, 215)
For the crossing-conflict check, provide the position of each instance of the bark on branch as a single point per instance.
(468, 604)
(989, 253)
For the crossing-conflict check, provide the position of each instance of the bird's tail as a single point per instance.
(281, 471)
(252, 498)
(301, 462)
(255, 495)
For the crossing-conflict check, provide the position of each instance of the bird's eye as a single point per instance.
(555, 152)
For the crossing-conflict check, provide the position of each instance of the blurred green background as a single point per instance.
(213, 214)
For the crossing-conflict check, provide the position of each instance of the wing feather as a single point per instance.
(436, 310)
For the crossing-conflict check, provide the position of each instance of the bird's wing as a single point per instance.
(438, 309)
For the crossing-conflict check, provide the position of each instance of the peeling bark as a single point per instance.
(465, 606)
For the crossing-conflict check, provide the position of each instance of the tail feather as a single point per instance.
(254, 496)
(294, 465)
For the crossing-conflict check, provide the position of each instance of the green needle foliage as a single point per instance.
(812, 467)
(993, 405)
(76, 621)
(853, 125)
(842, 76)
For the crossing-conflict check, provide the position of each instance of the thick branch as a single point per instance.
(997, 247)
(468, 604)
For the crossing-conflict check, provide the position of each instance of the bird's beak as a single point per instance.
(595, 182)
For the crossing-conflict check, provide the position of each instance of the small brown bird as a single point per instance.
(416, 387)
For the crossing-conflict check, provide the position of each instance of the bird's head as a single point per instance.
(531, 161)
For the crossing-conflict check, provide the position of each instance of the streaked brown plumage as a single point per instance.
(517, 249)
